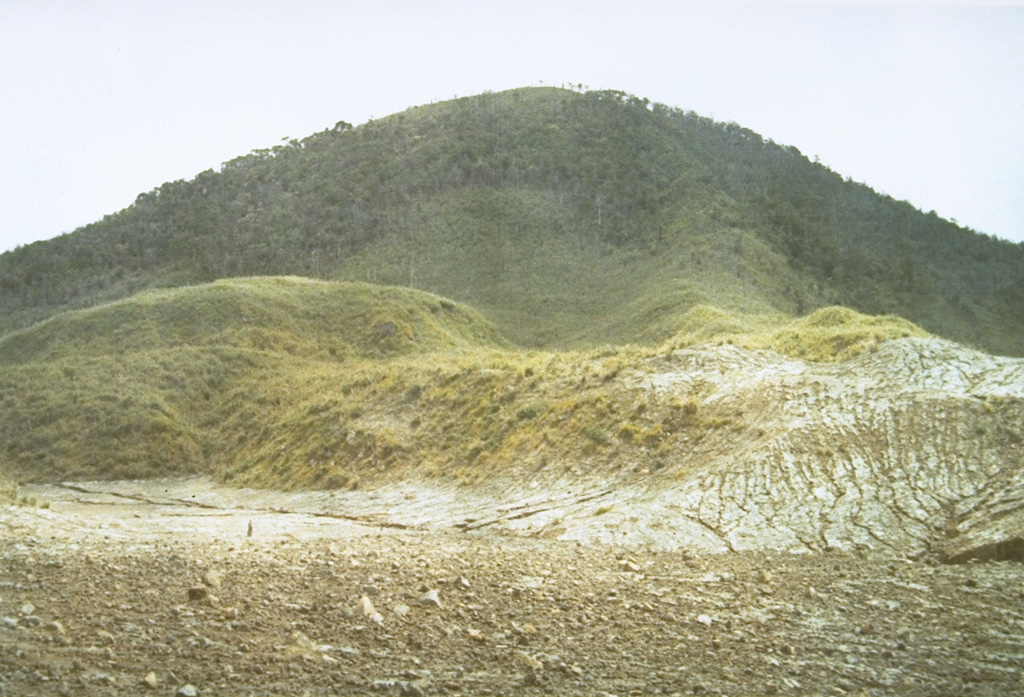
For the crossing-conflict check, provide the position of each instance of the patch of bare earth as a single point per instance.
(799, 547)
(145, 592)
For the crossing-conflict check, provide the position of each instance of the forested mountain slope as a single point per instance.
(568, 219)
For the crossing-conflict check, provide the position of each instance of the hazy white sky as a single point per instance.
(101, 100)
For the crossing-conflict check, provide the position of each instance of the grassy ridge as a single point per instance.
(829, 334)
(293, 316)
(167, 383)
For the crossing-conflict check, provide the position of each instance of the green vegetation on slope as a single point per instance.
(167, 383)
(569, 220)
(293, 316)
(829, 334)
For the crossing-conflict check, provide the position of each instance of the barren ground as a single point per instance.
(95, 600)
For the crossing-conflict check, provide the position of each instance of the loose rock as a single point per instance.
(366, 609)
(412, 689)
(212, 578)
(430, 598)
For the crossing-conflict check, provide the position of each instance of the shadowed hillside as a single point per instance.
(568, 219)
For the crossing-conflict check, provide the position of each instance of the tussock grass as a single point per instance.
(173, 382)
(837, 333)
(9, 491)
(827, 335)
(292, 316)
(12, 495)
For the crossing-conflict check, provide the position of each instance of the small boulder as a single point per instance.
(212, 579)
(430, 599)
(365, 608)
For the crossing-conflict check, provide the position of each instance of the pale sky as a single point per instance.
(101, 100)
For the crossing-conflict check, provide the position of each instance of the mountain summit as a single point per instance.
(568, 219)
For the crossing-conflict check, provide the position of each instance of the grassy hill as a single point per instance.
(292, 316)
(300, 383)
(181, 381)
(569, 220)
(286, 321)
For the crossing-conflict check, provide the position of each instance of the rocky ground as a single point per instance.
(179, 588)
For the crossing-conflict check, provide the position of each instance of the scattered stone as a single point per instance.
(430, 598)
(788, 650)
(401, 609)
(197, 594)
(463, 583)
(628, 564)
(10, 622)
(530, 661)
(55, 627)
(476, 635)
(27, 609)
(365, 608)
(187, 691)
(150, 680)
(766, 576)
(571, 669)
(411, 689)
(212, 578)
(705, 620)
